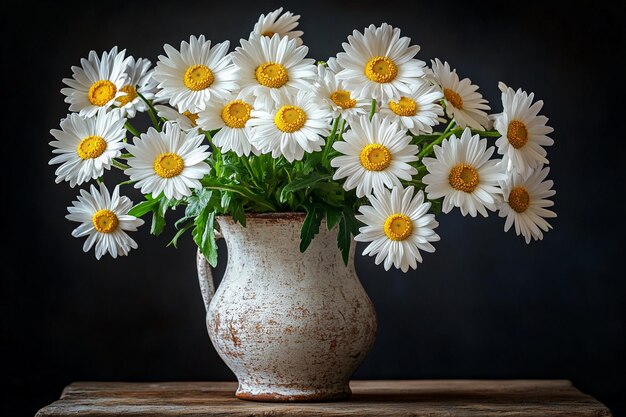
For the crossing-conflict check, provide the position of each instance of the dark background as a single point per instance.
(485, 305)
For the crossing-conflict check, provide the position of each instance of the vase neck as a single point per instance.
(275, 239)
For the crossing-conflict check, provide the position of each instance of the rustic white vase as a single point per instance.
(292, 326)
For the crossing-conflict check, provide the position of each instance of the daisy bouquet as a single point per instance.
(372, 141)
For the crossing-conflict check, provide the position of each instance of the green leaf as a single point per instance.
(204, 235)
(348, 227)
(225, 202)
(333, 216)
(330, 193)
(144, 207)
(237, 211)
(311, 162)
(213, 183)
(310, 226)
(197, 202)
(178, 234)
(344, 238)
(301, 183)
(158, 216)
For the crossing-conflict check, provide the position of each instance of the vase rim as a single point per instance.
(293, 215)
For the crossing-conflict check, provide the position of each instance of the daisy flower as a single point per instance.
(523, 131)
(85, 147)
(269, 66)
(104, 220)
(295, 125)
(417, 111)
(96, 83)
(340, 101)
(185, 120)
(333, 66)
(189, 78)
(379, 63)
(464, 175)
(463, 102)
(525, 201)
(231, 117)
(139, 81)
(281, 24)
(376, 154)
(170, 161)
(398, 226)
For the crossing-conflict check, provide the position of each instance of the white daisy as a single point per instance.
(525, 201)
(139, 81)
(281, 24)
(86, 146)
(379, 63)
(104, 220)
(376, 154)
(333, 65)
(398, 226)
(295, 125)
(269, 66)
(185, 120)
(524, 132)
(417, 111)
(231, 118)
(333, 92)
(464, 175)
(463, 102)
(96, 83)
(189, 78)
(170, 161)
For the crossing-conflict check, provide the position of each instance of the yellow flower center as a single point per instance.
(91, 147)
(101, 92)
(517, 134)
(453, 98)
(519, 199)
(343, 99)
(131, 94)
(381, 69)
(168, 165)
(290, 118)
(236, 114)
(271, 75)
(198, 77)
(105, 221)
(193, 117)
(398, 226)
(268, 33)
(404, 107)
(464, 177)
(375, 157)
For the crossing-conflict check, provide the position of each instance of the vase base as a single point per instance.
(296, 396)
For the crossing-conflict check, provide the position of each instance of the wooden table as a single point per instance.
(540, 398)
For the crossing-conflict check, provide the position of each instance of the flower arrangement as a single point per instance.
(351, 140)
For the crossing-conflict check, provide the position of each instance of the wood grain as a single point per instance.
(409, 398)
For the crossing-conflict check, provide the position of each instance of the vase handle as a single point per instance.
(205, 276)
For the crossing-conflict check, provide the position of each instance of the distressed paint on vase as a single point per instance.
(292, 326)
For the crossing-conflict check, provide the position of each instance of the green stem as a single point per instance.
(131, 129)
(437, 141)
(373, 110)
(342, 126)
(246, 164)
(119, 165)
(483, 133)
(249, 195)
(127, 182)
(151, 112)
(329, 142)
